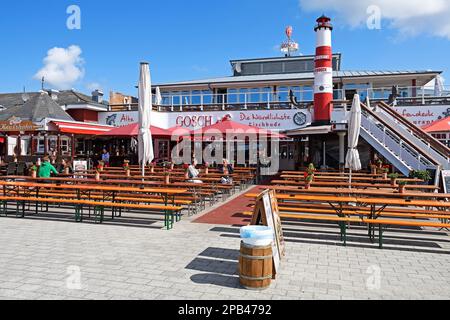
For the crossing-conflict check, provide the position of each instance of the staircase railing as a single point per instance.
(405, 151)
(427, 139)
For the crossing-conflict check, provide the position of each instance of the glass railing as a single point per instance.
(186, 101)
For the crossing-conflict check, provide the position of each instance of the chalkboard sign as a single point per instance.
(266, 212)
(446, 180)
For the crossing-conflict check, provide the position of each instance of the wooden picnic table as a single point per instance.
(356, 185)
(366, 192)
(237, 176)
(320, 173)
(376, 206)
(359, 179)
(109, 192)
(118, 181)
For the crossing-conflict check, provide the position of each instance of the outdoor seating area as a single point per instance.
(91, 195)
(365, 199)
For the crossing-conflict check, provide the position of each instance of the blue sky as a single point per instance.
(194, 39)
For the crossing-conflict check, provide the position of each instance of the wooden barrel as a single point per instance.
(255, 267)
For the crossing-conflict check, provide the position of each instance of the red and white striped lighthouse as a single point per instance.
(323, 73)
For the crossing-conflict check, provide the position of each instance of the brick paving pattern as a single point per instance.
(44, 257)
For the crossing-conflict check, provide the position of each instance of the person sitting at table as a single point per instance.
(106, 157)
(46, 169)
(227, 169)
(61, 168)
(193, 173)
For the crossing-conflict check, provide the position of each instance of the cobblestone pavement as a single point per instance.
(50, 257)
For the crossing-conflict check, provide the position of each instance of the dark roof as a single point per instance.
(72, 97)
(37, 108)
(66, 97)
(15, 99)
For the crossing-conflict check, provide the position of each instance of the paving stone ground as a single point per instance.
(51, 257)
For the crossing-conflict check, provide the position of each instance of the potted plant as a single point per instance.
(33, 171)
(311, 169)
(152, 167)
(423, 175)
(101, 166)
(393, 177)
(308, 180)
(167, 177)
(401, 186)
(380, 163)
(373, 169)
(126, 167)
(98, 170)
(385, 172)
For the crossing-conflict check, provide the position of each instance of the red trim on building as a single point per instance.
(81, 128)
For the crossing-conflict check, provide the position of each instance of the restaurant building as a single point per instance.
(61, 124)
(278, 94)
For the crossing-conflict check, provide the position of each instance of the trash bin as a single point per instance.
(255, 261)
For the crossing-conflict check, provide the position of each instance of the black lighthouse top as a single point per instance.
(323, 22)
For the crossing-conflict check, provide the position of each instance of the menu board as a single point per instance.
(267, 213)
(446, 180)
(80, 166)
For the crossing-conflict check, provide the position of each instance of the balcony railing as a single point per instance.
(282, 99)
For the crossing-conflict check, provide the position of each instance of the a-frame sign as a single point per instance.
(266, 213)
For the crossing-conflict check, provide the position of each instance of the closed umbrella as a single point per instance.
(146, 153)
(353, 161)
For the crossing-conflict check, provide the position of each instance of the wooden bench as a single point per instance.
(343, 221)
(125, 198)
(99, 207)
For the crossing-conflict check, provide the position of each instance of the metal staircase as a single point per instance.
(433, 147)
(399, 146)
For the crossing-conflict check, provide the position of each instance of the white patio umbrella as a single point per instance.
(158, 97)
(146, 153)
(353, 161)
(438, 86)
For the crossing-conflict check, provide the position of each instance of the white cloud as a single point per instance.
(62, 68)
(409, 17)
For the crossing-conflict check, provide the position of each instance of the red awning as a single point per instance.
(132, 130)
(442, 125)
(81, 128)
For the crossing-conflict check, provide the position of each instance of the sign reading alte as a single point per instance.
(15, 124)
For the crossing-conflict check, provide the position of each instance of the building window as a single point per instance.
(196, 97)
(255, 95)
(207, 97)
(40, 146)
(243, 95)
(232, 96)
(266, 94)
(283, 94)
(308, 93)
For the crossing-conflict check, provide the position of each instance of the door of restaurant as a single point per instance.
(162, 150)
(288, 156)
